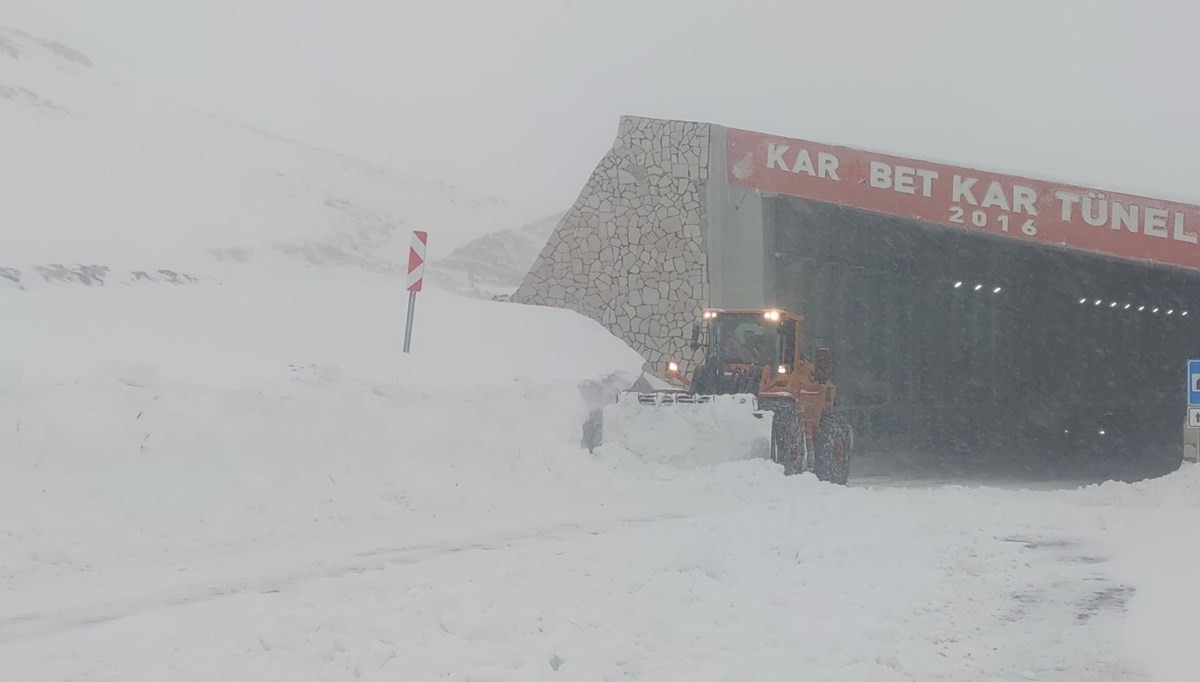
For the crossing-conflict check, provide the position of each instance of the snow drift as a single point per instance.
(212, 415)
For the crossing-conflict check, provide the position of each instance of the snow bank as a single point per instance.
(149, 426)
(249, 331)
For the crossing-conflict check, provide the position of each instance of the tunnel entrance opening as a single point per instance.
(964, 354)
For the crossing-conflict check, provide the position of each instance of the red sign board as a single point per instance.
(1021, 208)
(416, 260)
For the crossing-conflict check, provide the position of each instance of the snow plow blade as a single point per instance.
(686, 430)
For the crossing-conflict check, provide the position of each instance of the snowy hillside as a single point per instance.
(495, 264)
(106, 181)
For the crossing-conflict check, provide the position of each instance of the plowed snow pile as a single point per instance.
(148, 424)
(685, 435)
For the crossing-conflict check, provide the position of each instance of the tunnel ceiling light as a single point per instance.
(1112, 305)
(1155, 311)
(1141, 308)
(1128, 305)
(1183, 314)
(1171, 311)
(1098, 301)
(1083, 300)
(997, 290)
(957, 284)
(978, 287)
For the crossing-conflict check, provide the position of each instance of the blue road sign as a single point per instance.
(1193, 387)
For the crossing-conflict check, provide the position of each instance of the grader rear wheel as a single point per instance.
(832, 448)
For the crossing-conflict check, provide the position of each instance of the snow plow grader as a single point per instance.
(755, 389)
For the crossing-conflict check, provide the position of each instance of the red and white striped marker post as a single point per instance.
(416, 277)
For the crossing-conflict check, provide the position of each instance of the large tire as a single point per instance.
(786, 433)
(831, 448)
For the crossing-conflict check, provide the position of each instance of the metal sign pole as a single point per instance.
(412, 303)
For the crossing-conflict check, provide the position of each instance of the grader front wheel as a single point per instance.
(786, 434)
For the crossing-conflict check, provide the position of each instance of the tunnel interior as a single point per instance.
(958, 351)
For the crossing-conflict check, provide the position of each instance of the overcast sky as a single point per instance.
(521, 98)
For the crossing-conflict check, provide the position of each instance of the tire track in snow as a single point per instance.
(15, 630)
(1080, 597)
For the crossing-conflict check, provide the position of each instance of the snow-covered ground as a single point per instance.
(250, 481)
(245, 479)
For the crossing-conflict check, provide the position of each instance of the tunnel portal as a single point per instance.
(980, 320)
(969, 351)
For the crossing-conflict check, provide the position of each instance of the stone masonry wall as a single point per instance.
(630, 253)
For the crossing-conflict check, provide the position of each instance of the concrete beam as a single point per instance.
(734, 236)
